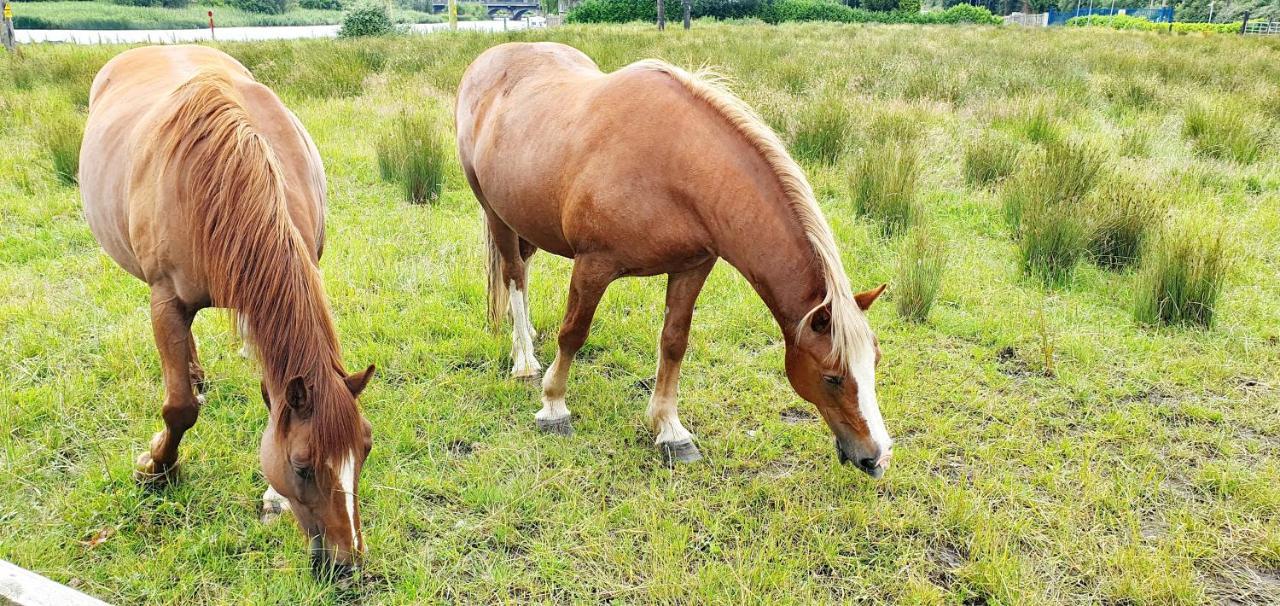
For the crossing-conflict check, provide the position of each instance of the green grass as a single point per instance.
(1224, 131)
(1183, 274)
(883, 182)
(822, 131)
(921, 263)
(104, 15)
(1122, 212)
(413, 154)
(1140, 470)
(989, 159)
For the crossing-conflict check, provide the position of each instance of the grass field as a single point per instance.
(104, 15)
(1051, 449)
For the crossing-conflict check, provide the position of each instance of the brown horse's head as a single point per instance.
(842, 384)
(312, 452)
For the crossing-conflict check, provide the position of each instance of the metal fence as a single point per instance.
(1163, 14)
(1028, 19)
(1261, 28)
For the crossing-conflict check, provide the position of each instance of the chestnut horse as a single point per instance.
(198, 180)
(650, 170)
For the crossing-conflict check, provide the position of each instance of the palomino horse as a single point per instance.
(653, 170)
(198, 180)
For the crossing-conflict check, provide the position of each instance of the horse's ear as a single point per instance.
(295, 395)
(356, 382)
(820, 321)
(866, 298)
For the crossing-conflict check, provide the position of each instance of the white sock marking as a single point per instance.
(524, 360)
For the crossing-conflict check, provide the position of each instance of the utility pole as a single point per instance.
(6, 28)
(662, 15)
(687, 8)
(1211, 3)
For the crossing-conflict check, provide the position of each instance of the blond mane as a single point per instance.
(254, 260)
(851, 335)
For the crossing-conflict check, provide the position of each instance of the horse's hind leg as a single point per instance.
(675, 442)
(590, 278)
(171, 322)
(513, 269)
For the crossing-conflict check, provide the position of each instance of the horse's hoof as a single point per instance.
(273, 509)
(561, 427)
(530, 375)
(679, 452)
(150, 473)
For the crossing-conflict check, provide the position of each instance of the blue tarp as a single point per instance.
(1158, 15)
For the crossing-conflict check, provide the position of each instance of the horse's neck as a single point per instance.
(766, 243)
(294, 333)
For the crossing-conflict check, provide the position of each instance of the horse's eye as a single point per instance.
(833, 380)
(305, 473)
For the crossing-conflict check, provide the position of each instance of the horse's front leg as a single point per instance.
(675, 442)
(171, 322)
(591, 277)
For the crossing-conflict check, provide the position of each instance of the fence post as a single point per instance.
(1244, 22)
(212, 36)
(687, 8)
(662, 15)
(6, 28)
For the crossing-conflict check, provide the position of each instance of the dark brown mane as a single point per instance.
(255, 261)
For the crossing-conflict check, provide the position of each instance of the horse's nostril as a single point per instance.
(867, 464)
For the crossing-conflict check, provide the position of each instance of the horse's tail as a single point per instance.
(498, 296)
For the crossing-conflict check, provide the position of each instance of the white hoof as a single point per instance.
(273, 505)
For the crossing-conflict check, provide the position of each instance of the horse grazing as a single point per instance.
(200, 182)
(649, 170)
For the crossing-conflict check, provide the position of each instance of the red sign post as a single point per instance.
(211, 36)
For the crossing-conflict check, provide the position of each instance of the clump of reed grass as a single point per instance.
(921, 263)
(989, 159)
(1223, 132)
(1123, 212)
(1135, 141)
(61, 135)
(822, 132)
(1044, 205)
(882, 185)
(1182, 275)
(415, 155)
(1036, 126)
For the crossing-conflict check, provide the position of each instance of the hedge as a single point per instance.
(775, 11)
(1129, 22)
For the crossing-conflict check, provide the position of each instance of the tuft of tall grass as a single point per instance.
(61, 135)
(1044, 205)
(1223, 132)
(990, 159)
(415, 155)
(1036, 126)
(1135, 141)
(921, 263)
(822, 131)
(1182, 275)
(1062, 176)
(1123, 212)
(882, 184)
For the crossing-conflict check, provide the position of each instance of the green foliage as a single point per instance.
(989, 159)
(822, 131)
(882, 185)
(158, 3)
(415, 155)
(922, 259)
(779, 11)
(366, 20)
(1126, 22)
(269, 7)
(909, 6)
(1182, 275)
(612, 11)
(332, 5)
(101, 15)
(1123, 211)
(61, 135)
(1223, 131)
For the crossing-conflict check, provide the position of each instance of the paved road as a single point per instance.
(84, 36)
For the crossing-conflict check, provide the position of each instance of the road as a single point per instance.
(136, 36)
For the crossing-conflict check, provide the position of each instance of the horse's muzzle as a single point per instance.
(872, 466)
(325, 568)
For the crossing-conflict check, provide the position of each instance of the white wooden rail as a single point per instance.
(21, 587)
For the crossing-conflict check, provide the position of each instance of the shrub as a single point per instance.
(882, 185)
(1129, 22)
(921, 263)
(61, 135)
(990, 159)
(822, 131)
(161, 3)
(1123, 212)
(415, 155)
(270, 7)
(332, 5)
(612, 11)
(1222, 132)
(1181, 276)
(366, 20)
(780, 11)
